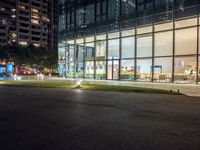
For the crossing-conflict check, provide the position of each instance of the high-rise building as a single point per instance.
(7, 22)
(131, 40)
(33, 22)
(53, 24)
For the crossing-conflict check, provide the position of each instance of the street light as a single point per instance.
(15, 77)
(78, 84)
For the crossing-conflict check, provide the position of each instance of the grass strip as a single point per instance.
(70, 85)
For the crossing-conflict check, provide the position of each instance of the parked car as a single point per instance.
(26, 72)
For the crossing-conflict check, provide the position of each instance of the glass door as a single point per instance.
(113, 70)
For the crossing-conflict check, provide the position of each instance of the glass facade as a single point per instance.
(131, 40)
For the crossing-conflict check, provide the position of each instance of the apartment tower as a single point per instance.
(29, 23)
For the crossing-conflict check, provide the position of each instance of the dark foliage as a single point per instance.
(30, 56)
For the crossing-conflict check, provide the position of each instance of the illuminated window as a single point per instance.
(127, 69)
(113, 49)
(144, 69)
(89, 69)
(128, 32)
(113, 35)
(89, 39)
(144, 30)
(144, 46)
(101, 49)
(34, 16)
(13, 16)
(22, 7)
(185, 69)
(14, 35)
(45, 19)
(163, 69)
(163, 43)
(35, 10)
(186, 41)
(23, 43)
(36, 44)
(164, 26)
(186, 23)
(34, 21)
(128, 49)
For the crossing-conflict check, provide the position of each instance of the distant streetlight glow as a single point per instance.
(19, 78)
(15, 77)
(40, 76)
(78, 84)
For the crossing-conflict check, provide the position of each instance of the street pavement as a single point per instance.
(63, 119)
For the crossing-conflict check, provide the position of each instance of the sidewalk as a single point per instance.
(187, 89)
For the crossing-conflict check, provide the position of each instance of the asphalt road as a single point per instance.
(60, 119)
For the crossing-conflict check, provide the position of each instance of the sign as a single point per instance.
(1, 69)
(9, 68)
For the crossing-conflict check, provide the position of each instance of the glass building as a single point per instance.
(130, 40)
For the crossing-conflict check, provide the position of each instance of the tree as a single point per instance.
(51, 60)
(30, 56)
(4, 54)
